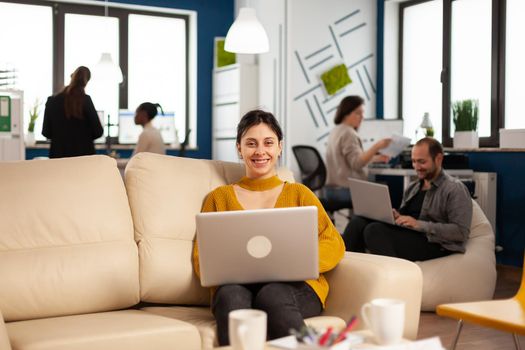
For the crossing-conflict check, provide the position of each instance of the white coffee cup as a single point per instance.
(386, 319)
(247, 329)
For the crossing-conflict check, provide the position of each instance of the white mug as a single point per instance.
(386, 319)
(247, 329)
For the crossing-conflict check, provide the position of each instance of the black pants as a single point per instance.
(383, 239)
(286, 303)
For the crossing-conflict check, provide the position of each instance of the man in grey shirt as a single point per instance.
(433, 220)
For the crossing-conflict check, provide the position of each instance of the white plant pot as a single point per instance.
(30, 139)
(466, 139)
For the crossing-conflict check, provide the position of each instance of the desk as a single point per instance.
(408, 174)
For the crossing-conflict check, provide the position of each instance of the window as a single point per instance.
(83, 48)
(27, 48)
(472, 62)
(422, 56)
(154, 49)
(515, 69)
(471, 57)
(153, 54)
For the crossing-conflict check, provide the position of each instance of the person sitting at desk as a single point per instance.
(434, 217)
(150, 140)
(345, 156)
(259, 144)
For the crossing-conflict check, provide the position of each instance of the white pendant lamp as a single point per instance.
(246, 35)
(106, 68)
(109, 70)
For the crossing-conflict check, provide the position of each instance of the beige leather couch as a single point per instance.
(88, 262)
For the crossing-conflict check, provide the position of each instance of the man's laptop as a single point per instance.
(371, 200)
(263, 245)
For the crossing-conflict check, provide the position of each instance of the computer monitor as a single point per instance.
(129, 132)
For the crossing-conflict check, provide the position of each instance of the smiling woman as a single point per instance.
(259, 144)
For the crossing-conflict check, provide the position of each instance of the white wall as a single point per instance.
(308, 37)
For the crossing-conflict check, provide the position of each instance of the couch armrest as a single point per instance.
(4, 339)
(360, 278)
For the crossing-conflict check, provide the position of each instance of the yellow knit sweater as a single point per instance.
(331, 245)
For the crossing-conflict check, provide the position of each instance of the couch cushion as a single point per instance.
(126, 330)
(202, 318)
(66, 238)
(165, 193)
(463, 277)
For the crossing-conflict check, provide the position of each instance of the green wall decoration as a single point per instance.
(223, 58)
(335, 79)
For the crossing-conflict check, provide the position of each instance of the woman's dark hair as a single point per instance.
(257, 117)
(151, 109)
(74, 93)
(347, 106)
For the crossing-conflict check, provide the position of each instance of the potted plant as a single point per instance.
(465, 118)
(33, 116)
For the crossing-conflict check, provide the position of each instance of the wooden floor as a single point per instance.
(475, 337)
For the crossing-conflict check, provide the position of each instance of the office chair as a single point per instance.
(505, 315)
(313, 176)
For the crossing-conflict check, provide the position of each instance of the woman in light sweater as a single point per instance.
(345, 156)
(150, 140)
(259, 144)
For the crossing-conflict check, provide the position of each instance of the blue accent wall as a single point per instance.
(510, 206)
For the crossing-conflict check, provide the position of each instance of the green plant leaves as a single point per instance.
(465, 115)
(33, 116)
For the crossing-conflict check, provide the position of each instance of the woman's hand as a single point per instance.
(382, 143)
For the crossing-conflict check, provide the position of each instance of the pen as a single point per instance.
(325, 336)
(348, 328)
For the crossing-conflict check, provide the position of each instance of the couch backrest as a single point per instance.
(66, 238)
(165, 193)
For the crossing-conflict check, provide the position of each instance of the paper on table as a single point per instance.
(398, 144)
(433, 343)
(290, 342)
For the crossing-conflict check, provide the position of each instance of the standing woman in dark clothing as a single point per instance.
(70, 119)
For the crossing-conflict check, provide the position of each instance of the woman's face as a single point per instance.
(141, 117)
(355, 118)
(260, 149)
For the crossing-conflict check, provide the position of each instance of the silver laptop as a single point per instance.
(263, 245)
(371, 200)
